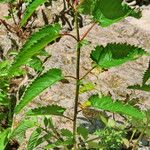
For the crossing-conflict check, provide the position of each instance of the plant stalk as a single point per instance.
(88, 72)
(139, 138)
(77, 79)
(86, 33)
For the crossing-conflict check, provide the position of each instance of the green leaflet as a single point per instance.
(34, 45)
(22, 127)
(42, 139)
(146, 75)
(7, 1)
(67, 133)
(37, 86)
(48, 122)
(4, 138)
(59, 143)
(36, 64)
(86, 87)
(144, 86)
(4, 99)
(106, 103)
(83, 132)
(106, 12)
(143, 125)
(47, 110)
(30, 10)
(115, 54)
(138, 87)
(86, 6)
(33, 141)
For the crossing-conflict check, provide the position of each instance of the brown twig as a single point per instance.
(86, 33)
(68, 1)
(67, 34)
(77, 79)
(71, 77)
(87, 73)
(8, 26)
(68, 118)
(12, 14)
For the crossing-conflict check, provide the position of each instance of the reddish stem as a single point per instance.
(86, 33)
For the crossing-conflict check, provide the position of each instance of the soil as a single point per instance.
(114, 81)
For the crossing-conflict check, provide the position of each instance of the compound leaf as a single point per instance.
(82, 131)
(66, 132)
(47, 110)
(34, 45)
(106, 103)
(106, 12)
(4, 138)
(30, 10)
(22, 127)
(36, 64)
(7, 1)
(37, 86)
(32, 143)
(42, 139)
(86, 87)
(115, 54)
(146, 75)
(138, 87)
(86, 6)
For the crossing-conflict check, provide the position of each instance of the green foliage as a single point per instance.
(7, 1)
(66, 133)
(49, 123)
(47, 110)
(34, 45)
(146, 75)
(144, 125)
(4, 138)
(30, 10)
(3, 68)
(32, 143)
(110, 138)
(107, 12)
(43, 52)
(37, 86)
(144, 86)
(23, 126)
(83, 132)
(36, 64)
(86, 6)
(140, 87)
(86, 87)
(3, 99)
(42, 139)
(115, 54)
(106, 103)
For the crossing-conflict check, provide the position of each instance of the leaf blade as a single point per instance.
(146, 75)
(106, 103)
(4, 138)
(107, 12)
(47, 110)
(114, 54)
(37, 86)
(22, 127)
(30, 10)
(34, 45)
(144, 87)
(32, 143)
